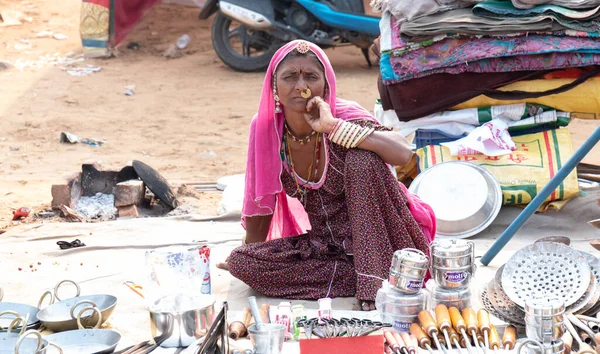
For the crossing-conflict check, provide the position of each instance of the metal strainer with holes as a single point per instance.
(504, 305)
(489, 307)
(549, 269)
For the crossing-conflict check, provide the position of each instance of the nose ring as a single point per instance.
(306, 93)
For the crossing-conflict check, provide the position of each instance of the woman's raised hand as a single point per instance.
(319, 115)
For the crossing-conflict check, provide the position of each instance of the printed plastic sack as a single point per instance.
(582, 101)
(178, 270)
(523, 173)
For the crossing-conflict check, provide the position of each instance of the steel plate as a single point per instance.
(465, 197)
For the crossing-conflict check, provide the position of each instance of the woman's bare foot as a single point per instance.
(367, 305)
(223, 266)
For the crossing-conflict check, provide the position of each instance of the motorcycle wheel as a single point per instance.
(240, 47)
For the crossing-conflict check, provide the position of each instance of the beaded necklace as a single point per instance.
(286, 155)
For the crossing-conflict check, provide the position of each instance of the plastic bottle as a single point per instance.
(183, 41)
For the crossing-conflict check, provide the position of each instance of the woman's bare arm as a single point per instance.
(257, 228)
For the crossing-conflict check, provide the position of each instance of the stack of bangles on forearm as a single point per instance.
(349, 135)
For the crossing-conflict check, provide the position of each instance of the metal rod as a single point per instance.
(447, 339)
(429, 349)
(467, 341)
(437, 343)
(474, 334)
(486, 340)
(541, 197)
(457, 345)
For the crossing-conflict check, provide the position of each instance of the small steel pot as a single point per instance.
(544, 319)
(453, 278)
(405, 283)
(459, 298)
(392, 302)
(183, 326)
(534, 347)
(453, 253)
(410, 261)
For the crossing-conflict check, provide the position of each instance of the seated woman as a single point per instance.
(330, 156)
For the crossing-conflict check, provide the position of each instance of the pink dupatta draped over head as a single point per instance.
(264, 194)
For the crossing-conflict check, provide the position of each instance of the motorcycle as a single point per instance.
(246, 33)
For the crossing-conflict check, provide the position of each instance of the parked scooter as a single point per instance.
(246, 33)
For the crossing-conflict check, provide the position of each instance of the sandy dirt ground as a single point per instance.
(188, 119)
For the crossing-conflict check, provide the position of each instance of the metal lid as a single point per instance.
(546, 306)
(451, 248)
(409, 257)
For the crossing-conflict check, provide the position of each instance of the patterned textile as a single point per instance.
(398, 46)
(581, 20)
(535, 52)
(95, 27)
(105, 23)
(359, 217)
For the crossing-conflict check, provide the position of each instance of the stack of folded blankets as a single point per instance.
(459, 63)
(437, 54)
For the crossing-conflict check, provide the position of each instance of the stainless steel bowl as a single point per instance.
(465, 197)
(452, 278)
(183, 321)
(406, 283)
(459, 298)
(392, 302)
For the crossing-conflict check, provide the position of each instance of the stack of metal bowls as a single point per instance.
(459, 298)
(400, 299)
(408, 270)
(453, 263)
(399, 308)
(544, 325)
(544, 319)
(452, 268)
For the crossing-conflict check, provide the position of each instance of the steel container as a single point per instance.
(405, 283)
(182, 324)
(454, 278)
(459, 298)
(544, 319)
(410, 261)
(392, 302)
(452, 253)
(557, 347)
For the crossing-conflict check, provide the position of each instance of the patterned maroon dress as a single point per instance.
(359, 217)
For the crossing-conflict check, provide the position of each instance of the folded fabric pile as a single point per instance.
(528, 66)
(436, 54)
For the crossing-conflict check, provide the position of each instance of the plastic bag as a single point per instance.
(178, 270)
